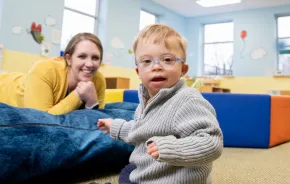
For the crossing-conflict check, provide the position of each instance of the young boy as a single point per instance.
(175, 130)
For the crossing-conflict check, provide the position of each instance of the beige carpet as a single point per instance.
(244, 166)
(253, 166)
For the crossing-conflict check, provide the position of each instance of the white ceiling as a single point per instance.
(189, 8)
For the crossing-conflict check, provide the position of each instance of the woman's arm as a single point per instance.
(39, 94)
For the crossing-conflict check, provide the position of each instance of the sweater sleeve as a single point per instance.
(38, 94)
(201, 137)
(120, 129)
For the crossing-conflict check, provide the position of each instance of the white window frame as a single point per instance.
(156, 17)
(218, 70)
(96, 16)
(280, 70)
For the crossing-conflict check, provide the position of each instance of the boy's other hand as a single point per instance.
(105, 124)
(153, 150)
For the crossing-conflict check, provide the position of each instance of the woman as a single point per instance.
(60, 85)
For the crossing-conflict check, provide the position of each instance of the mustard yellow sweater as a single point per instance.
(45, 88)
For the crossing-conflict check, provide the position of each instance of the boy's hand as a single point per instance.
(105, 124)
(153, 150)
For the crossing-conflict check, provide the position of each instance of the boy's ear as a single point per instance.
(137, 71)
(184, 69)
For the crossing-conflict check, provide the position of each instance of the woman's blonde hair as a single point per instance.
(159, 33)
(70, 48)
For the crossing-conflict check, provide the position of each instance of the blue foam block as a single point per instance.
(244, 118)
(131, 96)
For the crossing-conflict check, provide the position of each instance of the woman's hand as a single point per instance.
(87, 93)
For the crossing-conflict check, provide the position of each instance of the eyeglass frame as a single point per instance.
(156, 60)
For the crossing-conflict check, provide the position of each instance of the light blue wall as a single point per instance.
(1, 11)
(117, 18)
(261, 27)
(121, 19)
(23, 13)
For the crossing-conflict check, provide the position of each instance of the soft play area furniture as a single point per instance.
(247, 120)
(280, 120)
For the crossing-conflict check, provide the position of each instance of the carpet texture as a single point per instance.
(242, 166)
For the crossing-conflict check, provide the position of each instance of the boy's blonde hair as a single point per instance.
(159, 33)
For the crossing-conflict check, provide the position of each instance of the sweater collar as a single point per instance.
(163, 93)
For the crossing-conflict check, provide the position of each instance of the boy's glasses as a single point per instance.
(165, 61)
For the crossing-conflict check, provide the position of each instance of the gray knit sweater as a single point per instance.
(184, 127)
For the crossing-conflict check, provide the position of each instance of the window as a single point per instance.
(284, 45)
(146, 19)
(79, 16)
(218, 48)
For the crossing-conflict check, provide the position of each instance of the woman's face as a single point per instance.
(84, 62)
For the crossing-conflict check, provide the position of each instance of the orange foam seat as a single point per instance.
(280, 120)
